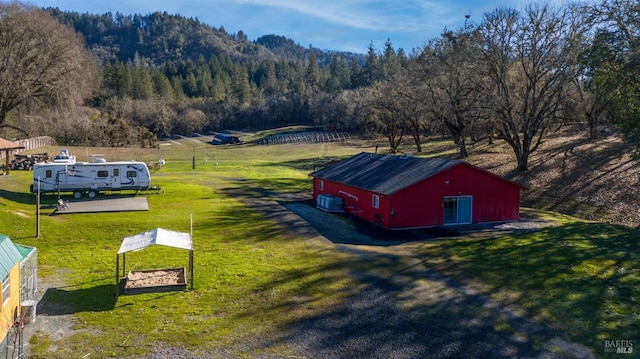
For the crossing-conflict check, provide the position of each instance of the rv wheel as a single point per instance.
(77, 194)
(92, 194)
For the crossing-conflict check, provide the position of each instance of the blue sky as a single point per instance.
(344, 25)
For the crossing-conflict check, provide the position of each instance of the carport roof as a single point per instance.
(8, 145)
(156, 236)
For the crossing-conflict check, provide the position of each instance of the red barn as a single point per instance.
(402, 192)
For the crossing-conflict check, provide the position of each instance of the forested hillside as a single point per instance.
(514, 76)
(287, 48)
(159, 38)
(164, 74)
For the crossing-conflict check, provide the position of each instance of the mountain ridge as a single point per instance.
(160, 37)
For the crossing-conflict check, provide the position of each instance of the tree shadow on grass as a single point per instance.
(19, 197)
(576, 276)
(539, 265)
(421, 313)
(395, 315)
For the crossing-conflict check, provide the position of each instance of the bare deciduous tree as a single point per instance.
(394, 111)
(449, 75)
(530, 59)
(43, 64)
(385, 113)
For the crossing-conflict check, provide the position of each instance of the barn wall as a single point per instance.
(420, 205)
(357, 202)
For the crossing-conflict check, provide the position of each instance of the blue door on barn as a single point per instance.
(457, 210)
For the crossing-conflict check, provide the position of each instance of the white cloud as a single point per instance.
(367, 15)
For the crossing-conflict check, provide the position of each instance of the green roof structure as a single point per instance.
(9, 256)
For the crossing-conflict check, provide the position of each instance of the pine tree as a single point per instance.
(356, 74)
(191, 85)
(141, 84)
(312, 74)
(269, 82)
(178, 91)
(240, 84)
(343, 73)
(371, 70)
(333, 82)
(161, 84)
(390, 64)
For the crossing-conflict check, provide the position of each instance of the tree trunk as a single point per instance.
(593, 125)
(394, 142)
(457, 131)
(416, 139)
(462, 144)
(523, 161)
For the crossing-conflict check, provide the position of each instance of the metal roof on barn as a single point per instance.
(384, 174)
(9, 256)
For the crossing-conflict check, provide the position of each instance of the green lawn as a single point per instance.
(251, 275)
(580, 278)
(254, 276)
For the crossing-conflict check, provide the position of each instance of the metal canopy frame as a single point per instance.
(157, 236)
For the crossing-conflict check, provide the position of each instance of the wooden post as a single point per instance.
(191, 267)
(6, 166)
(191, 250)
(117, 274)
(38, 210)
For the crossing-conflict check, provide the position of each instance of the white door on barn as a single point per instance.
(457, 210)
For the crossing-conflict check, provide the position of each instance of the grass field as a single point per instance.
(580, 278)
(253, 276)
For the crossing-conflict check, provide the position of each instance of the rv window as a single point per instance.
(47, 173)
(103, 173)
(132, 174)
(116, 172)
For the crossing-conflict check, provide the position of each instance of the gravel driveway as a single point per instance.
(409, 313)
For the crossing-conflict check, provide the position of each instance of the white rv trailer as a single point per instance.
(64, 174)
